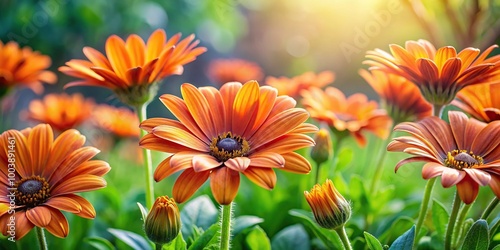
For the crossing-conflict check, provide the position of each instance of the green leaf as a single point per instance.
(246, 221)
(439, 218)
(391, 233)
(359, 195)
(257, 239)
(99, 243)
(497, 247)
(199, 212)
(345, 157)
(328, 237)
(405, 241)
(177, 244)
(133, 240)
(210, 236)
(292, 237)
(477, 237)
(144, 211)
(372, 242)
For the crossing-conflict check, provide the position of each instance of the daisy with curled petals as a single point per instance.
(24, 67)
(241, 129)
(352, 115)
(293, 86)
(233, 70)
(47, 174)
(120, 121)
(481, 101)
(465, 152)
(439, 74)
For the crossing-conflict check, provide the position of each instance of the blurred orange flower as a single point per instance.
(481, 101)
(23, 67)
(47, 174)
(133, 66)
(402, 99)
(438, 74)
(120, 121)
(60, 111)
(233, 70)
(351, 115)
(465, 153)
(243, 129)
(293, 86)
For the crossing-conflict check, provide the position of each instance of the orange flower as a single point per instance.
(243, 129)
(293, 86)
(465, 153)
(481, 101)
(402, 100)
(119, 121)
(39, 177)
(233, 70)
(353, 115)
(61, 111)
(132, 67)
(438, 74)
(24, 67)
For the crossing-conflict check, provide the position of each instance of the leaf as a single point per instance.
(345, 157)
(133, 240)
(372, 242)
(177, 244)
(405, 241)
(328, 237)
(497, 247)
(292, 237)
(439, 218)
(144, 211)
(246, 221)
(477, 237)
(99, 243)
(210, 236)
(257, 239)
(199, 212)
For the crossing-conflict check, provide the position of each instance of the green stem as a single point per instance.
(343, 237)
(460, 221)
(493, 204)
(225, 227)
(158, 246)
(438, 110)
(452, 221)
(378, 169)
(148, 165)
(336, 150)
(318, 168)
(424, 207)
(42, 241)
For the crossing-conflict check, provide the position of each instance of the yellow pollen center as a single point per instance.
(31, 191)
(460, 159)
(226, 146)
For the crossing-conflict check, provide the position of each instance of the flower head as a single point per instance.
(293, 86)
(465, 153)
(351, 115)
(438, 74)
(330, 208)
(120, 121)
(46, 175)
(323, 148)
(233, 70)
(402, 99)
(243, 129)
(163, 222)
(61, 111)
(481, 101)
(132, 68)
(23, 67)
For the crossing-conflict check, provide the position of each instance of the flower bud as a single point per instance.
(329, 207)
(163, 222)
(323, 148)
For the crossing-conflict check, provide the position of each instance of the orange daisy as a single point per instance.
(465, 152)
(351, 115)
(120, 121)
(233, 70)
(293, 86)
(23, 67)
(243, 129)
(60, 111)
(46, 175)
(480, 101)
(438, 74)
(133, 66)
(402, 99)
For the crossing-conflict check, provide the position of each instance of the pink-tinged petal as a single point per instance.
(205, 162)
(450, 177)
(58, 226)
(187, 183)
(64, 203)
(264, 177)
(40, 216)
(181, 137)
(296, 163)
(495, 185)
(487, 141)
(432, 169)
(409, 160)
(467, 190)
(480, 176)
(239, 164)
(224, 183)
(267, 160)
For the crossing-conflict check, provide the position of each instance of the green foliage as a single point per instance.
(405, 241)
(477, 237)
(372, 242)
(292, 237)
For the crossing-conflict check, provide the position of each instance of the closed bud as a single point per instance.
(323, 149)
(163, 222)
(329, 207)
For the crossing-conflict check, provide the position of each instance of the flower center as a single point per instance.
(459, 159)
(31, 191)
(226, 146)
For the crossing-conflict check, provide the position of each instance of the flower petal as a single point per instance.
(23, 225)
(39, 215)
(40, 142)
(467, 190)
(203, 162)
(187, 183)
(431, 170)
(245, 107)
(181, 137)
(296, 163)
(63, 147)
(58, 225)
(239, 164)
(77, 184)
(64, 203)
(224, 183)
(152, 142)
(480, 176)
(264, 177)
(267, 160)
(199, 108)
(71, 163)
(450, 177)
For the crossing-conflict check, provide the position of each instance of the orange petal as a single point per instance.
(152, 142)
(224, 183)
(216, 108)
(487, 141)
(117, 55)
(495, 185)
(245, 106)
(39, 215)
(64, 145)
(239, 164)
(40, 142)
(264, 177)
(87, 211)
(402, 56)
(58, 225)
(97, 58)
(151, 123)
(187, 183)
(77, 184)
(199, 108)
(428, 70)
(93, 167)
(155, 45)
(72, 162)
(287, 143)
(481, 177)
(181, 137)
(267, 160)
(450, 177)
(228, 92)
(442, 55)
(23, 225)
(23, 157)
(136, 49)
(173, 164)
(296, 163)
(467, 190)
(432, 169)
(267, 98)
(64, 203)
(203, 162)
(450, 71)
(467, 56)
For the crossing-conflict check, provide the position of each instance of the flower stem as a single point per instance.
(343, 237)
(452, 221)
(158, 246)
(318, 168)
(460, 221)
(148, 165)
(438, 110)
(40, 234)
(424, 207)
(493, 204)
(225, 227)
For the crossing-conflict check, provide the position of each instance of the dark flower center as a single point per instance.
(459, 159)
(226, 146)
(31, 191)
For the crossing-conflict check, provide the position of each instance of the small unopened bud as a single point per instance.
(329, 207)
(163, 222)
(323, 149)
